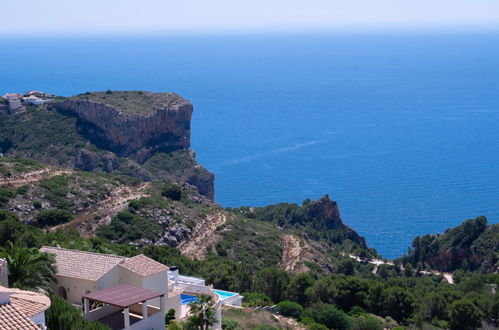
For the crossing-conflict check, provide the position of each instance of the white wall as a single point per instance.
(75, 288)
(111, 278)
(39, 318)
(156, 282)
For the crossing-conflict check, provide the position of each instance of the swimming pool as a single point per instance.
(187, 298)
(225, 294)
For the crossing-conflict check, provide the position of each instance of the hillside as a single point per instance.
(97, 137)
(471, 246)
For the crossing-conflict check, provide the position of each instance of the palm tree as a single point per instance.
(203, 311)
(28, 267)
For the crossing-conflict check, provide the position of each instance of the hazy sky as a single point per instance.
(165, 16)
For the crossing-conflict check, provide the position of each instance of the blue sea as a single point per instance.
(401, 130)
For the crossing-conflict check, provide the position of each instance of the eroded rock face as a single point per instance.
(326, 210)
(135, 135)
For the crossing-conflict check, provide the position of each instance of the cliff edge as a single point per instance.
(132, 124)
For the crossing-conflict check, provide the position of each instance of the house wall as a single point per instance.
(176, 304)
(153, 322)
(101, 312)
(39, 318)
(75, 288)
(111, 278)
(156, 282)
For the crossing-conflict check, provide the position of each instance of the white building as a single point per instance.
(150, 287)
(21, 309)
(34, 100)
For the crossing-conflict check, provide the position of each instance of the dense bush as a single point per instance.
(126, 227)
(464, 314)
(289, 308)
(63, 316)
(330, 316)
(53, 217)
(252, 299)
(171, 191)
(5, 195)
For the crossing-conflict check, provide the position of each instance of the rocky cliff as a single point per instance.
(326, 211)
(135, 132)
(140, 134)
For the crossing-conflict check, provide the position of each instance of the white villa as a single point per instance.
(129, 293)
(21, 309)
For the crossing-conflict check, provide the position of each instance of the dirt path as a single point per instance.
(105, 210)
(291, 252)
(32, 177)
(203, 236)
(376, 262)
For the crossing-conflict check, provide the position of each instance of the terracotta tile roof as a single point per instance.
(29, 302)
(81, 264)
(12, 318)
(143, 266)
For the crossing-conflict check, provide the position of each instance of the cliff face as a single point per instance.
(326, 211)
(134, 135)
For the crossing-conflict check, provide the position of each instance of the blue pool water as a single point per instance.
(225, 294)
(186, 299)
(401, 130)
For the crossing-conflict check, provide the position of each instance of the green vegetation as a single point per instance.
(472, 246)
(5, 195)
(46, 136)
(63, 316)
(289, 308)
(171, 191)
(133, 101)
(11, 167)
(28, 268)
(127, 227)
(53, 217)
(203, 314)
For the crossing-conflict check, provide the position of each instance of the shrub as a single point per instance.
(367, 322)
(22, 190)
(5, 195)
(53, 217)
(171, 191)
(63, 316)
(464, 315)
(289, 308)
(169, 316)
(256, 299)
(230, 324)
(330, 316)
(37, 204)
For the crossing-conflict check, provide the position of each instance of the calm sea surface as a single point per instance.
(403, 131)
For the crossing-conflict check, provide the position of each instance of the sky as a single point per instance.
(63, 17)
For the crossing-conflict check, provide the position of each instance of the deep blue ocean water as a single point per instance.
(401, 130)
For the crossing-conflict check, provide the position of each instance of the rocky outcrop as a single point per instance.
(129, 128)
(136, 135)
(326, 210)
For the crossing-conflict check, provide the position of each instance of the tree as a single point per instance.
(272, 282)
(297, 287)
(289, 308)
(203, 313)
(464, 315)
(399, 303)
(171, 191)
(63, 316)
(28, 267)
(169, 316)
(330, 316)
